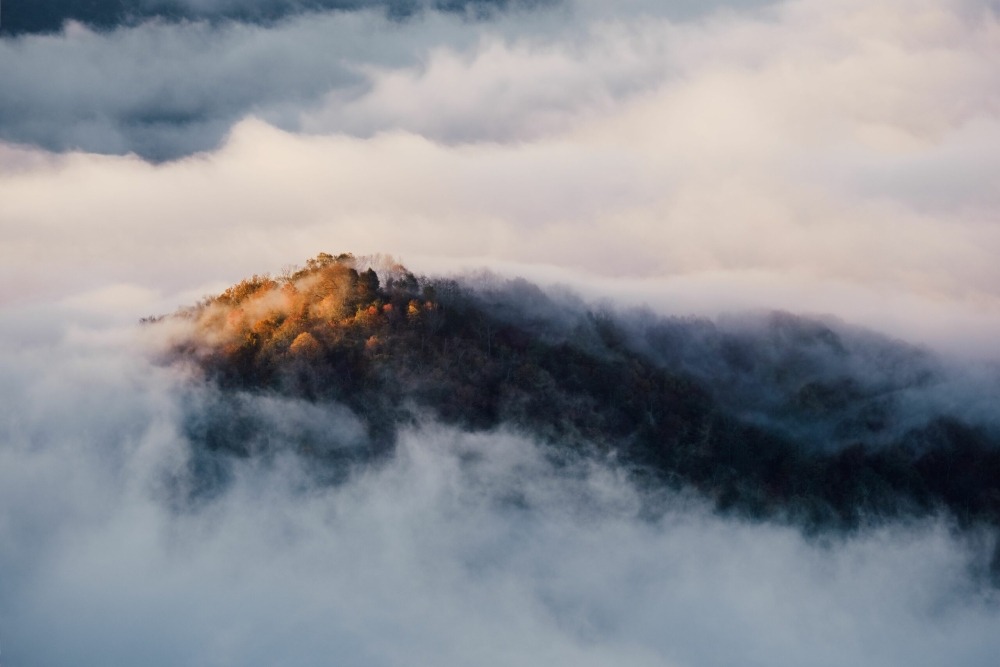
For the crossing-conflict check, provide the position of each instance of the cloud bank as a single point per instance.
(483, 548)
(822, 157)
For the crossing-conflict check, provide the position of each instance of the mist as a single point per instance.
(461, 547)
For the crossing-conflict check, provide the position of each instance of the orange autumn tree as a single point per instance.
(327, 305)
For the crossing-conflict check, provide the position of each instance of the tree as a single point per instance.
(368, 285)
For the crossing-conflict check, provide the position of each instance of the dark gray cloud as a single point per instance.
(165, 90)
(115, 81)
(45, 16)
(41, 16)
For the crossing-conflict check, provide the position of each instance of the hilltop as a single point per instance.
(780, 416)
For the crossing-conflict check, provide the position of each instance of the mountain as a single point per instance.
(770, 416)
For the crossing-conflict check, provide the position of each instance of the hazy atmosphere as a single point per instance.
(703, 162)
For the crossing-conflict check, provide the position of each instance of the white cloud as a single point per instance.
(832, 157)
(463, 548)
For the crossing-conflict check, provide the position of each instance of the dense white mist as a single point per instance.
(464, 548)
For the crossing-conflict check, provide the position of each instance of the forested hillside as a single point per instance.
(775, 416)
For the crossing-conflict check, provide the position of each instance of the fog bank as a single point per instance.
(463, 547)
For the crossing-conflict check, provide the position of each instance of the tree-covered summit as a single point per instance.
(787, 417)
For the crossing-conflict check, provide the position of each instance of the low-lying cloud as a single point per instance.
(462, 548)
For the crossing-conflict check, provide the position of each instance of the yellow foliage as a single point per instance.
(305, 344)
(328, 298)
(265, 327)
(244, 289)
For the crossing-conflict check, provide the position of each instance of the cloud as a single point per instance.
(169, 89)
(833, 160)
(166, 90)
(46, 16)
(597, 215)
(833, 157)
(462, 548)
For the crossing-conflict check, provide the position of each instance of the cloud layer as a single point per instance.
(829, 157)
(463, 548)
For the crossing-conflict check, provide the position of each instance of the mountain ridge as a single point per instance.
(786, 419)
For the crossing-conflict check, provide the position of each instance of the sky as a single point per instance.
(830, 157)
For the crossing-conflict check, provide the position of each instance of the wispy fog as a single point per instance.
(462, 548)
